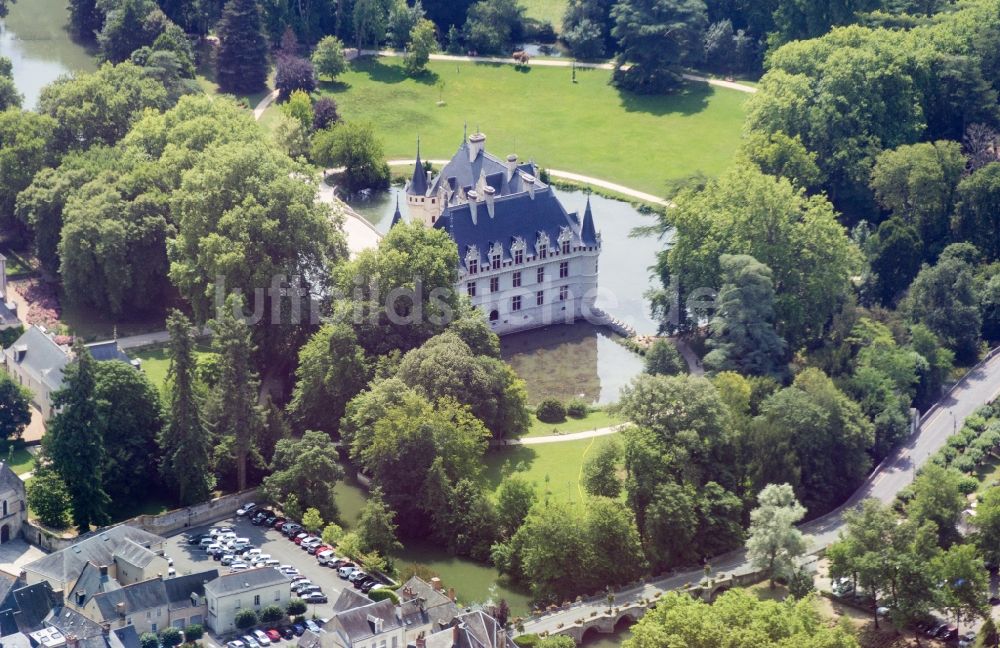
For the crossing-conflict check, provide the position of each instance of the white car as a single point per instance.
(247, 508)
(213, 547)
(238, 567)
(261, 638)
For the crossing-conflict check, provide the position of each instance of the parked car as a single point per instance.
(261, 638)
(948, 633)
(219, 553)
(291, 529)
(271, 519)
(356, 575)
(212, 548)
(315, 597)
(238, 567)
(288, 571)
(341, 562)
(934, 628)
(250, 641)
(311, 541)
(204, 541)
(300, 585)
(325, 556)
(298, 629)
(344, 572)
(228, 560)
(286, 632)
(196, 538)
(314, 589)
(299, 537)
(236, 643)
(245, 509)
(371, 586)
(278, 522)
(361, 582)
(312, 626)
(273, 635)
(967, 640)
(316, 548)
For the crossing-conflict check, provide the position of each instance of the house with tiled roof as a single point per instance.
(524, 260)
(252, 589)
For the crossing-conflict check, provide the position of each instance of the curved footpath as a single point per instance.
(978, 387)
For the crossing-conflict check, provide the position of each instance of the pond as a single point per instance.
(579, 360)
(34, 37)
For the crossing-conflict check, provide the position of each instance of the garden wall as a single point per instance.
(171, 522)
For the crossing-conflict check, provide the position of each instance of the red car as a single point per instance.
(318, 549)
(273, 635)
(299, 538)
(277, 523)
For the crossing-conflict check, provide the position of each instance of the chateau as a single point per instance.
(523, 259)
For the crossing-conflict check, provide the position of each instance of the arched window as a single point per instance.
(494, 315)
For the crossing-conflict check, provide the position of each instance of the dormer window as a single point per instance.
(542, 245)
(517, 248)
(565, 237)
(472, 259)
(565, 247)
(496, 255)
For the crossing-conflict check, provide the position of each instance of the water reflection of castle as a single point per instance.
(568, 361)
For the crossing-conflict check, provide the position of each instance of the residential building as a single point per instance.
(24, 607)
(424, 607)
(254, 589)
(523, 259)
(62, 569)
(377, 625)
(152, 605)
(37, 361)
(474, 629)
(12, 503)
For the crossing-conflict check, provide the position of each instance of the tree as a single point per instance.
(369, 18)
(239, 416)
(894, 258)
(663, 359)
(291, 137)
(127, 27)
(312, 521)
(356, 147)
(720, 520)
(101, 107)
(245, 619)
(324, 113)
(586, 28)
(25, 148)
(85, 18)
(299, 107)
(937, 498)
(377, 527)
(308, 468)
(170, 637)
(976, 219)
(777, 154)
(73, 441)
(193, 632)
(185, 445)
(944, 298)
(402, 19)
(296, 607)
(130, 416)
(422, 44)
(614, 539)
(272, 613)
(149, 640)
(600, 471)
(241, 58)
(966, 583)
(670, 523)
(743, 337)
(331, 534)
(293, 73)
(332, 370)
(918, 184)
(49, 498)
(493, 26)
(515, 497)
(773, 542)
(747, 212)
(328, 58)
(656, 37)
(15, 408)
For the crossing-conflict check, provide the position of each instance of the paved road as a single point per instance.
(559, 438)
(979, 386)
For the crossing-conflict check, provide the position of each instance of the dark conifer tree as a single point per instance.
(242, 56)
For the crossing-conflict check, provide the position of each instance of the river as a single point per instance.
(581, 360)
(35, 38)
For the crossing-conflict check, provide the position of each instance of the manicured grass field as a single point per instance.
(22, 460)
(593, 421)
(546, 11)
(155, 362)
(554, 468)
(588, 127)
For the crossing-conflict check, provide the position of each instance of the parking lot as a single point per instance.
(189, 559)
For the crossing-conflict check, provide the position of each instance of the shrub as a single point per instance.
(663, 358)
(293, 73)
(527, 640)
(967, 484)
(49, 498)
(272, 614)
(949, 453)
(976, 422)
(577, 408)
(296, 606)
(170, 637)
(193, 633)
(324, 113)
(383, 594)
(550, 411)
(246, 618)
(148, 640)
(964, 464)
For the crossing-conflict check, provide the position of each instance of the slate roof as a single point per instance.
(180, 588)
(462, 173)
(418, 184)
(355, 625)
(16, 640)
(247, 580)
(134, 553)
(42, 358)
(397, 217)
(108, 350)
(350, 599)
(471, 630)
(9, 479)
(31, 604)
(99, 548)
(127, 636)
(90, 583)
(136, 597)
(71, 622)
(422, 604)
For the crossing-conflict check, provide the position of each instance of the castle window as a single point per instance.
(473, 266)
(565, 247)
(518, 256)
(564, 269)
(471, 288)
(515, 303)
(517, 279)
(543, 252)
(539, 298)
(494, 284)
(540, 275)
(563, 293)
(496, 261)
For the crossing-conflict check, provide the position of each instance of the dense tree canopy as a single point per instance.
(655, 38)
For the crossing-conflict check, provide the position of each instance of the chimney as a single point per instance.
(473, 199)
(436, 584)
(104, 572)
(81, 598)
(477, 142)
(120, 608)
(72, 641)
(511, 165)
(421, 642)
(530, 181)
(454, 634)
(451, 594)
(489, 191)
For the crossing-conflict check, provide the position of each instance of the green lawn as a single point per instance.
(588, 127)
(551, 11)
(155, 362)
(593, 420)
(554, 468)
(22, 460)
